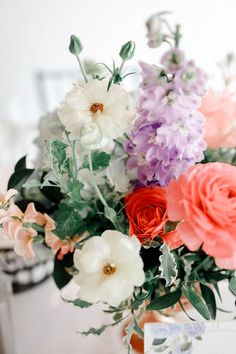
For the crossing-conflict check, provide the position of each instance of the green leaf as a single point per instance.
(165, 301)
(60, 275)
(74, 188)
(68, 221)
(57, 150)
(100, 159)
(196, 301)
(168, 266)
(128, 335)
(95, 331)
(138, 329)
(232, 285)
(19, 178)
(209, 298)
(21, 164)
(81, 303)
(117, 316)
(171, 226)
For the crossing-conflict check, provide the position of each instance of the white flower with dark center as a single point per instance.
(109, 268)
(92, 114)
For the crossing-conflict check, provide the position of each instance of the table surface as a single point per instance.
(44, 324)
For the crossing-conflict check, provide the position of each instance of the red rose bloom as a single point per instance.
(146, 209)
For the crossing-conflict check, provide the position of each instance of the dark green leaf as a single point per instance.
(209, 298)
(68, 221)
(60, 275)
(19, 178)
(165, 301)
(196, 301)
(117, 316)
(21, 164)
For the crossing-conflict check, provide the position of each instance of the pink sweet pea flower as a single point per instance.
(204, 198)
(14, 228)
(5, 200)
(219, 108)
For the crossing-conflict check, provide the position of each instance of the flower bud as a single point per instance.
(90, 135)
(127, 50)
(155, 34)
(75, 46)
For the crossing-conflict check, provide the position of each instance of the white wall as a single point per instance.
(34, 35)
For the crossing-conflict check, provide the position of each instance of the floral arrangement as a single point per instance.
(127, 199)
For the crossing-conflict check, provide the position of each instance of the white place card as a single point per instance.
(190, 338)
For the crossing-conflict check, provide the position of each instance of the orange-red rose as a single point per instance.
(147, 214)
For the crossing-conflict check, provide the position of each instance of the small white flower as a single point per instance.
(109, 268)
(94, 114)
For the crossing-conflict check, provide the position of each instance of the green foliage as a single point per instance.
(209, 298)
(100, 159)
(94, 331)
(21, 164)
(168, 265)
(164, 301)
(20, 176)
(81, 303)
(196, 301)
(128, 334)
(68, 221)
(74, 188)
(61, 163)
(60, 274)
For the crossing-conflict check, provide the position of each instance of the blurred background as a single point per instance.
(36, 70)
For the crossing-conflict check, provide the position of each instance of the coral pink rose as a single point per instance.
(220, 112)
(147, 214)
(204, 197)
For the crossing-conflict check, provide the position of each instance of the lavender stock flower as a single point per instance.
(167, 136)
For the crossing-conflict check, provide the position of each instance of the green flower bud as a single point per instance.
(75, 46)
(127, 50)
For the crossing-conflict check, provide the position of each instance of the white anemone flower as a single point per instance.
(91, 113)
(109, 268)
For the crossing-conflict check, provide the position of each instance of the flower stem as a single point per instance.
(122, 65)
(177, 36)
(82, 68)
(94, 181)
